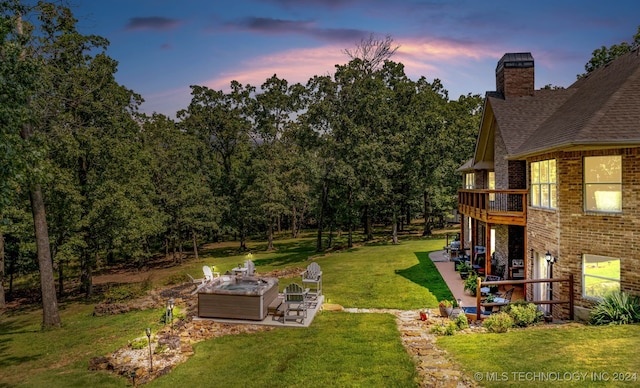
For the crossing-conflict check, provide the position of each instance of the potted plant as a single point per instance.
(490, 299)
(471, 283)
(464, 268)
(446, 307)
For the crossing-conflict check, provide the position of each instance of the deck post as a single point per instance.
(571, 296)
(478, 294)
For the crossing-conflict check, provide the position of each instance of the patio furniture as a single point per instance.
(247, 269)
(209, 274)
(251, 268)
(313, 277)
(492, 278)
(507, 295)
(295, 303)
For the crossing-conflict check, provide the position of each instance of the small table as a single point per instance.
(485, 290)
(239, 271)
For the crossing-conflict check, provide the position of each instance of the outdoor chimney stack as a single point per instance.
(514, 75)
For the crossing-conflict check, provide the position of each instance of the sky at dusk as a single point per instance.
(164, 46)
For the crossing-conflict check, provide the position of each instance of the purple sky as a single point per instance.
(164, 46)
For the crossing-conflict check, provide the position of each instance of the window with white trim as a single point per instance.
(603, 183)
(600, 275)
(544, 184)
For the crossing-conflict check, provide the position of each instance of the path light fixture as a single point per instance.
(171, 306)
(148, 330)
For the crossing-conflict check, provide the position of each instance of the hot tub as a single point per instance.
(237, 297)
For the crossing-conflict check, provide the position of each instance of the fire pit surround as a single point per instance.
(237, 297)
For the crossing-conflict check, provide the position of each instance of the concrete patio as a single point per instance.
(447, 270)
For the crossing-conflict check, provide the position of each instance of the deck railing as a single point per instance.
(494, 206)
(568, 280)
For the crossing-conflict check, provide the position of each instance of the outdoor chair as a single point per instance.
(493, 278)
(295, 303)
(199, 283)
(313, 277)
(508, 294)
(209, 274)
(251, 268)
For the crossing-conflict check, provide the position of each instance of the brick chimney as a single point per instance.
(514, 75)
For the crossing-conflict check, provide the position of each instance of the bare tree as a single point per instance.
(372, 51)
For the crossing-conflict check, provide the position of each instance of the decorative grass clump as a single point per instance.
(617, 308)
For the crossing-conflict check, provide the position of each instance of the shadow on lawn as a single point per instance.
(427, 275)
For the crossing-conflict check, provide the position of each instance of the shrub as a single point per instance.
(461, 321)
(523, 313)
(498, 323)
(139, 343)
(445, 329)
(617, 308)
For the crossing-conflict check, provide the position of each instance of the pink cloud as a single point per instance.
(297, 65)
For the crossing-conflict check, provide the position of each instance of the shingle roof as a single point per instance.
(600, 109)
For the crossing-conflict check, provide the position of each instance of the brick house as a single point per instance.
(553, 187)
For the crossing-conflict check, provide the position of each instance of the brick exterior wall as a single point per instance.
(515, 82)
(569, 232)
(517, 174)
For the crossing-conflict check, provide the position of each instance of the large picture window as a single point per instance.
(543, 184)
(603, 183)
(600, 275)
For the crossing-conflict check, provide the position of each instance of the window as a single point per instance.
(600, 275)
(603, 183)
(543, 184)
(469, 180)
(492, 185)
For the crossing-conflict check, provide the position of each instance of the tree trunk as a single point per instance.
(270, 236)
(368, 229)
(427, 214)
(350, 236)
(323, 206)
(294, 230)
(394, 228)
(51, 317)
(195, 245)
(2, 298)
(243, 241)
(60, 279)
(86, 274)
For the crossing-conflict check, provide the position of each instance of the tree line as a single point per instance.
(88, 181)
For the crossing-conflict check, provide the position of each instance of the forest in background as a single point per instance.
(105, 184)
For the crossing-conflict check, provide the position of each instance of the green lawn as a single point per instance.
(575, 355)
(338, 349)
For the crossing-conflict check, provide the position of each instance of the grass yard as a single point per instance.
(338, 349)
(575, 354)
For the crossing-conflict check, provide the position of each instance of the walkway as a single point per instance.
(451, 277)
